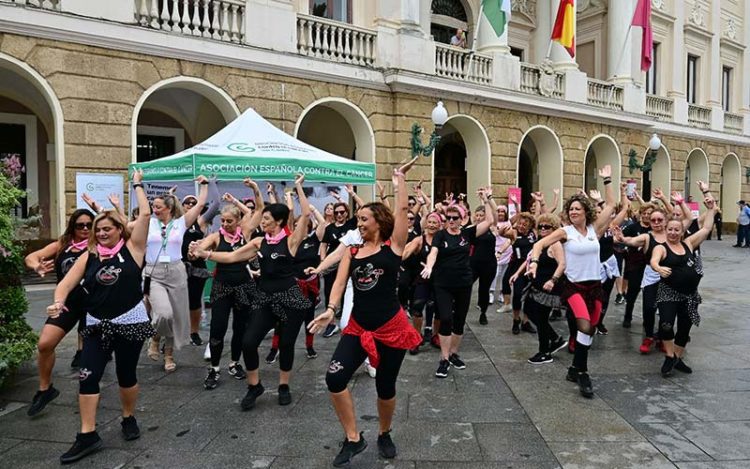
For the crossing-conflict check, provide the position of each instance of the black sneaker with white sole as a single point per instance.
(331, 330)
(85, 444)
(386, 448)
(311, 353)
(41, 399)
(557, 345)
(195, 339)
(349, 449)
(236, 370)
(443, 367)
(212, 379)
(456, 361)
(540, 359)
(682, 367)
(272, 355)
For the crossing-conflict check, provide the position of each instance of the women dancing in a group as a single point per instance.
(523, 238)
(378, 327)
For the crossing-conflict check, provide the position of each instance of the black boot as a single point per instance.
(85, 444)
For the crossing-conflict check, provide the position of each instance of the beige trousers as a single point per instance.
(170, 312)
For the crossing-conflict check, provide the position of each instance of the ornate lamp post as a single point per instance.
(653, 145)
(439, 117)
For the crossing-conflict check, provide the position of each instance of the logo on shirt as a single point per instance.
(463, 242)
(335, 366)
(108, 275)
(276, 255)
(67, 264)
(366, 277)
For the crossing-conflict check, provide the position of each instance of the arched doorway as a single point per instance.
(602, 151)
(446, 16)
(178, 113)
(660, 175)
(731, 186)
(339, 127)
(696, 169)
(31, 128)
(461, 163)
(540, 159)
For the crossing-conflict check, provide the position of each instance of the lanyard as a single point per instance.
(165, 230)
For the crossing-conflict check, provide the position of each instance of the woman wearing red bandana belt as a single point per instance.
(378, 327)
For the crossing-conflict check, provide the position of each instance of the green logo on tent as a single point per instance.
(241, 147)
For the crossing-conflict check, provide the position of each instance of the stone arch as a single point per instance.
(539, 163)
(42, 101)
(730, 190)
(660, 174)
(338, 126)
(181, 104)
(696, 169)
(602, 150)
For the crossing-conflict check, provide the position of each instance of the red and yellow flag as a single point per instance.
(564, 30)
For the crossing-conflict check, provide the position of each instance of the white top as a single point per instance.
(352, 238)
(581, 255)
(172, 251)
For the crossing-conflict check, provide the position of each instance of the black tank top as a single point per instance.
(687, 270)
(652, 243)
(521, 248)
(194, 233)
(411, 263)
(545, 269)
(63, 263)
(235, 273)
(483, 251)
(112, 286)
(606, 246)
(375, 280)
(276, 266)
(308, 255)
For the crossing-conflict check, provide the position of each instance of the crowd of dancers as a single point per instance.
(394, 278)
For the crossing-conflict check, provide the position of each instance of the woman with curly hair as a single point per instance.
(522, 238)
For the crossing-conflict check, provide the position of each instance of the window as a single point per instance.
(447, 17)
(652, 86)
(151, 147)
(516, 52)
(726, 89)
(338, 10)
(692, 79)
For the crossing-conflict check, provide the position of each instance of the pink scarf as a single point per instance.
(233, 238)
(110, 252)
(79, 246)
(276, 239)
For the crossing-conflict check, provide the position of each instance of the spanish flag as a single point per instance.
(564, 30)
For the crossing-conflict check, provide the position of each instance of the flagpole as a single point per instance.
(622, 53)
(474, 41)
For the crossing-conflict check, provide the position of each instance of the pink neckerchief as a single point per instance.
(233, 238)
(107, 252)
(276, 239)
(79, 246)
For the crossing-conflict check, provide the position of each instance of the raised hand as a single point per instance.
(658, 193)
(595, 194)
(702, 186)
(677, 197)
(349, 188)
(91, 202)
(606, 171)
(137, 176)
(250, 183)
(299, 179)
(114, 199)
(201, 179)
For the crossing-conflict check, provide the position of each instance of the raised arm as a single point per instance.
(658, 194)
(401, 223)
(358, 202)
(555, 200)
(300, 234)
(139, 231)
(320, 227)
(412, 247)
(114, 199)
(625, 205)
(557, 235)
(192, 215)
(382, 195)
(695, 239)
(93, 204)
(271, 193)
(246, 224)
(687, 214)
(603, 219)
(214, 204)
(490, 210)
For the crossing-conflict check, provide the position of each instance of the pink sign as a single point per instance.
(695, 208)
(514, 192)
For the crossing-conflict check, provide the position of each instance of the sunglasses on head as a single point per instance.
(545, 227)
(452, 217)
(84, 226)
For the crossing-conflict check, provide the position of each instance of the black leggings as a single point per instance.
(220, 310)
(485, 272)
(607, 287)
(506, 287)
(634, 278)
(94, 360)
(423, 300)
(674, 313)
(452, 307)
(518, 288)
(328, 280)
(262, 321)
(349, 355)
(405, 288)
(649, 308)
(539, 315)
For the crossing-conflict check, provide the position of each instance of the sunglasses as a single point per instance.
(84, 226)
(412, 203)
(340, 212)
(545, 227)
(189, 202)
(410, 218)
(452, 217)
(657, 219)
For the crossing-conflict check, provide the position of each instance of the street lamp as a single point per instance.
(654, 145)
(439, 118)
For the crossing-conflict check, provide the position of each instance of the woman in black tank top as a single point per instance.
(278, 299)
(483, 264)
(60, 257)
(378, 328)
(116, 318)
(681, 270)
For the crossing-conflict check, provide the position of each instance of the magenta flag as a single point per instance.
(642, 18)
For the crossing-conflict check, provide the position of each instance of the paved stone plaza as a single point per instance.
(500, 412)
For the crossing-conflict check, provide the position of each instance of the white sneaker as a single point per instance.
(492, 297)
(371, 370)
(505, 309)
(207, 353)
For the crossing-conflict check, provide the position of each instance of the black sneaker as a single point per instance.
(540, 359)
(285, 395)
(195, 339)
(619, 299)
(555, 316)
(85, 444)
(681, 366)
(212, 380)
(253, 392)
(557, 345)
(584, 385)
(527, 327)
(601, 329)
(414, 351)
(456, 361)
(272, 355)
(572, 375)
(626, 323)
(483, 319)
(331, 329)
(41, 399)
(237, 371)
(443, 367)
(386, 448)
(130, 430)
(668, 366)
(427, 336)
(75, 363)
(516, 327)
(349, 449)
(311, 353)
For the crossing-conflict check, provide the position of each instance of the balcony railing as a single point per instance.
(535, 81)
(44, 4)
(659, 107)
(604, 94)
(699, 116)
(336, 41)
(461, 64)
(733, 123)
(222, 20)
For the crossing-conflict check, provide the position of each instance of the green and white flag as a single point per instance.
(497, 13)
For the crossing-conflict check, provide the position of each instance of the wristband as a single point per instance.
(204, 183)
(534, 261)
(138, 185)
(706, 192)
(607, 181)
(555, 279)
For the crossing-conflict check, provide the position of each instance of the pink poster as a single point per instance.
(516, 193)
(695, 208)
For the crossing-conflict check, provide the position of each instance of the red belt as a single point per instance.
(310, 287)
(396, 333)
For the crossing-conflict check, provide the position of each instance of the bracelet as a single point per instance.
(208, 254)
(204, 183)
(607, 181)
(534, 261)
(138, 185)
(331, 306)
(706, 192)
(555, 279)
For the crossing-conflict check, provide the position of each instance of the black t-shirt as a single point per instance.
(375, 281)
(411, 264)
(194, 233)
(522, 246)
(545, 269)
(276, 266)
(687, 270)
(418, 224)
(334, 233)
(635, 258)
(606, 246)
(112, 286)
(452, 268)
(235, 273)
(483, 251)
(308, 255)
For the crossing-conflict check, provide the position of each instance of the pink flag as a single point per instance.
(642, 18)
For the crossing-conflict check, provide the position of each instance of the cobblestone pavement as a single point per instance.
(500, 412)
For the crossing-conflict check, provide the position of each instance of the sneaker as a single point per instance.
(516, 327)
(572, 375)
(456, 362)
(414, 351)
(371, 370)
(505, 309)
(646, 346)
(619, 299)
(285, 395)
(571, 345)
(626, 323)
(212, 380)
(556, 315)
(253, 393)
(236, 370)
(483, 319)
(584, 385)
(271, 357)
(207, 353)
(435, 341)
(331, 329)
(557, 345)
(85, 444)
(349, 449)
(195, 339)
(601, 329)
(311, 353)
(41, 399)
(427, 336)
(527, 327)
(540, 359)
(386, 448)
(76, 359)
(443, 367)
(130, 430)
(668, 366)
(681, 366)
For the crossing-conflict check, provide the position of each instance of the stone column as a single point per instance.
(402, 43)
(544, 21)
(560, 57)
(487, 41)
(677, 87)
(620, 40)
(271, 24)
(714, 72)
